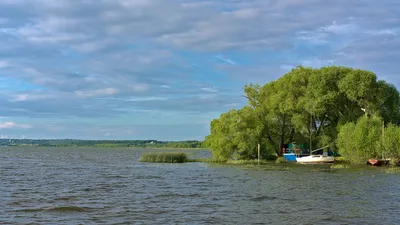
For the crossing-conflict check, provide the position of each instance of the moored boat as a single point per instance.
(378, 162)
(316, 159)
(291, 157)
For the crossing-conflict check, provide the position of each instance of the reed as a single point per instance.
(281, 160)
(207, 160)
(340, 166)
(164, 157)
(341, 160)
(249, 162)
(394, 170)
(231, 162)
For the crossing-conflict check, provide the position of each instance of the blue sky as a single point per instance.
(163, 69)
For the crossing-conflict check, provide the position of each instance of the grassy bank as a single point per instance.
(232, 162)
(164, 157)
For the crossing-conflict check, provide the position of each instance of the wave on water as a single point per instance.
(68, 209)
(66, 198)
(263, 198)
(175, 195)
(115, 176)
(61, 209)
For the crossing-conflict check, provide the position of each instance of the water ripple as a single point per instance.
(110, 186)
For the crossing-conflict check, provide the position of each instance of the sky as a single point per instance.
(164, 69)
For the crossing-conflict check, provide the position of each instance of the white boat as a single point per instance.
(316, 159)
(324, 158)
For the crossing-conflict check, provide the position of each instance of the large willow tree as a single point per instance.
(304, 103)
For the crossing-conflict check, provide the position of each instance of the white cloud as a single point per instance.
(247, 13)
(321, 35)
(20, 97)
(90, 57)
(96, 93)
(30, 96)
(4, 64)
(316, 63)
(207, 89)
(9, 125)
(340, 29)
(144, 99)
(226, 60)
(6, 125)
(207, 96)
(388, 31)
(139, 87)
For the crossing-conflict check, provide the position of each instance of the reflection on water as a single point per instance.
(110, 186)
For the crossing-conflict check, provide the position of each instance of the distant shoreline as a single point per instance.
(149, 148)
(57, 143)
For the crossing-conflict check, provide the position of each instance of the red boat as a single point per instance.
(378, 162)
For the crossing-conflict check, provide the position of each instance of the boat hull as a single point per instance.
(316, 159)
(291, 157)
(378, 162)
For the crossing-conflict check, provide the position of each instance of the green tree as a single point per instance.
(391, 143)
(304, 103)
(236, 134)
(361, 141)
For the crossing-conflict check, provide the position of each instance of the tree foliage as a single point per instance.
(304, 103)
(361, 141)
(391, 143)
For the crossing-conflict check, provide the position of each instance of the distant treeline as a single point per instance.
(101, 143)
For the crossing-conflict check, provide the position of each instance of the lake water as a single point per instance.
(110, 186)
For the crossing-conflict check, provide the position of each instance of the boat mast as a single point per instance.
(383, 135)
(310, 134)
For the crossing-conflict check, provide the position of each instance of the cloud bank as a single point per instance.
(145, 69)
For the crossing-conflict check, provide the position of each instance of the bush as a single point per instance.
(164, 157)
(361, 141)
(391, 144)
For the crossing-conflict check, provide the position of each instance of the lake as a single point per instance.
(111, 186)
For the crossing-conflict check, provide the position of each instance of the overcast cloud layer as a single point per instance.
(163, 69)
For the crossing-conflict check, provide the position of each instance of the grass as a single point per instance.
(281, 160)
(164, 157)
(341, 159)
(340, 166)
(207, 160)
(394, 170)
(247, 162)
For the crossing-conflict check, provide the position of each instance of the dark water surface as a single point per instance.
(110, 186)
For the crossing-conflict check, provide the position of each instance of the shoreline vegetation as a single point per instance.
(179, 157)
(164, 157)
(348, 110)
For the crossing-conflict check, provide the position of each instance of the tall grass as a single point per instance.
(164, 157)
(207, 160)
(232, 162)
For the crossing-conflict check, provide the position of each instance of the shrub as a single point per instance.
(361, 141)
(391, 143)
(164, 157)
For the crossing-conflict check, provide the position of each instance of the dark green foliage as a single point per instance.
(164, 157)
